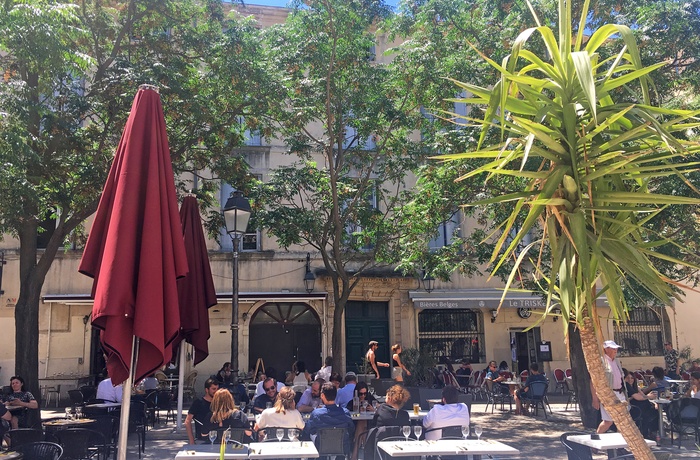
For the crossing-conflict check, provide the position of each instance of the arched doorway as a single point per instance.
(283, 332)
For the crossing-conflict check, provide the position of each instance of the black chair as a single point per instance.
(137, 423)
(269, 434)
(108, 427)
(536, 397)
(76, 397)
(42, 450)
(497, 394)
(683, 417)
(151, 410)
(381, 455)
(89, 392)
(331, 441)
(571, 395)
(75, 443)
(448, 432)
(21, 436)
(164, 402)
(575, 451)
(377, 434)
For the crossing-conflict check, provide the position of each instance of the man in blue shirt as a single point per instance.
(346, 393)
(533, 376)
(330, 416)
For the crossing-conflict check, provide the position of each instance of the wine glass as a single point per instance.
(280, 434)
(227, 436)
(418, 430)
(477, 432)
(406, 431)
(242, 406)
(294, 434)
(465, 431)
(212, 436)
(68, 413)
(78, 412)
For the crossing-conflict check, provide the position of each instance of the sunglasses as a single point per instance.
(269, 389)
(362, 393)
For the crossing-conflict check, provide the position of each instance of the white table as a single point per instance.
(258, 450)
(660, 403)
(470, 447)
(370, 415)
(607, 441)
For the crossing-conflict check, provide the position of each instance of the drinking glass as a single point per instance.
(465, 431)
(78, 412)
(477, 432)
(406, 431)
(227, 436)
(68, 413)
(294, 434)
(242, 406)
(280, 434)
(212, 436)
(375, 404)
(418, 430)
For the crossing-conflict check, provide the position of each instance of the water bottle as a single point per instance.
(356, 403)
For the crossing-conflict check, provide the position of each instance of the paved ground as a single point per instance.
(535, 437)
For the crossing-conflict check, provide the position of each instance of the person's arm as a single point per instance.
(398, 360)
(305, 402)
(188, 425)
(373, 363)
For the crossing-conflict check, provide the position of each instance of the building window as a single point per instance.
(455, 334)
(645, 332)
(250, 241)
(447, 230)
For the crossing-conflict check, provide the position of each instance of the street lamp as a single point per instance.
(428, 282)
(309, 277)
(494, 314)
(236, 215)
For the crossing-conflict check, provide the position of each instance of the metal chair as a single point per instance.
(568, 373)
(80, 443)
(560, 379)
(575, 451)
(164, 402)
(377, 434)
(137, 423)
(523, 376)
(76, 397)
(497, 394)
(108, 427)
(48, 391)
(572, 395)
(448, 432)
(331, 442)
(269, 434)
(537, 396)
(683, 417)
(42, 450)
(188, 387)
(21, 436)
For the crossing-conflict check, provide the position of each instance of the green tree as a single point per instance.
(348, 131)
(592, 160)
(70, 74)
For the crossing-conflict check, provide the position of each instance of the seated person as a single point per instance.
(261, 402)
(224, 414)
(325, 372)
(284, 413)
(225, 375)
(463, 372)
(494, 375)
(390, 413)
(198, 413)
(694, 387)
(533, 376)
(299, 375)
(365, 396)
(660, 384)
(107, 392)
(449, 413)
(259, 388)
(330, 415)
(346, 393)
(311, 398)
(19, 400)
(649, 421)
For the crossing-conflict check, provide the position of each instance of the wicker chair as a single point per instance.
(41, 450)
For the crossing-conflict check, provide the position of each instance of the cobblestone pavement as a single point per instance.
(535, 437)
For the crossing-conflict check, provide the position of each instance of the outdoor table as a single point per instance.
(681, 384)
(369, 415)
(660, 402)
(62, 424)
(472, 448)
(259, 450)
(106, 405)
(607, 441)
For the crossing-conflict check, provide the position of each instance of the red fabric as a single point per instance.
(196, 290)
(135, 251)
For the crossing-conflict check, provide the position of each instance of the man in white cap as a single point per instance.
(613, 372)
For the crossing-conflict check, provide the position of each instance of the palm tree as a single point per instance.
(589, 163)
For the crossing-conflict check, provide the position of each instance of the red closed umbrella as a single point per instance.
(196, 290)
(135, 250)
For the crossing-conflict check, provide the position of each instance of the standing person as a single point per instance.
(399, 368)
(19, 397)
(325, 372)
(198, 413)
(672, 361)
(450, 412)
(284, 413)
(372, 357)
(224, 414)
(613, 372)
(330, 415)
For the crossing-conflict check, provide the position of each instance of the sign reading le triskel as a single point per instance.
(532, 302)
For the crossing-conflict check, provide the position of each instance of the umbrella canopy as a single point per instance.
(196, 290)
(135, 250)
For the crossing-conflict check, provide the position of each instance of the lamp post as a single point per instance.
(309, 277)
(236, 215)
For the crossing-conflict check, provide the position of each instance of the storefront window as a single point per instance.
(644, 333)
(455, 334)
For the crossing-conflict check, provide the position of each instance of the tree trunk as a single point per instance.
(581, 379)
(337, 338)
(617, 409)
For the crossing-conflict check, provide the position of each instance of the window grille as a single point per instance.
(456, 334)
(644, 333)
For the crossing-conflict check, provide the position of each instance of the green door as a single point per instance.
(365, 321)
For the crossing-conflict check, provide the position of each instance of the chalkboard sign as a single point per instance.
(544, 349)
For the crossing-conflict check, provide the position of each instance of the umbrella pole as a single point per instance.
(126, 401)
(180, 386)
